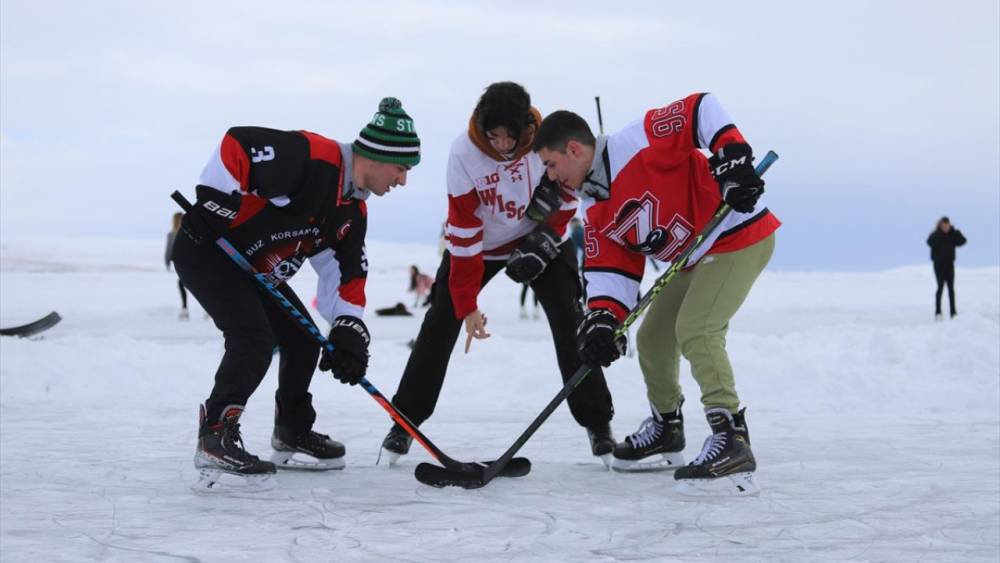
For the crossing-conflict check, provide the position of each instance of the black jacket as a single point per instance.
(943, 244)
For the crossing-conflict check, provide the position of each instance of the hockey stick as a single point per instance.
(33, 328)
(519, 466)
(433, 475)
(600, 118)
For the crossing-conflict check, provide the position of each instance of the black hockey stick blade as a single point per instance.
(471, 477)
(31, 329)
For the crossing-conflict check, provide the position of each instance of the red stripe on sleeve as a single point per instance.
(234, 158)
(459, 241)
(619, 312)
(321, 148)
(250, 205)
(463, 283)
(462, 211)
(731, 135)
(353, 292)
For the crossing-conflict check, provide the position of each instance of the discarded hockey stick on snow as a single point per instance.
(435, 476)
(517, 467)
(31, 329)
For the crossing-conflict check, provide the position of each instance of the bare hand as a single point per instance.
(475, 327)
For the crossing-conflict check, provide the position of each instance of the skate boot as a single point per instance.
(221, 451)
(317, 451)
(396, 443)
(656, 446)
(725, 465)
(602, 442)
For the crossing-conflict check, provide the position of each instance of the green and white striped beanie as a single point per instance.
(389, 136)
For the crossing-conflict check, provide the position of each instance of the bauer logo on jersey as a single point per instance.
(219, 210)
(636, 227)
(262, 155)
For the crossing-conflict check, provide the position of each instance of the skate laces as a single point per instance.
(712, 447)
(649, 430)
(232, 429)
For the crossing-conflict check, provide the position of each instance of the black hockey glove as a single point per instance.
(540, 247)
(349, 359)
(739, 183)
(595, 339)
(545, 201)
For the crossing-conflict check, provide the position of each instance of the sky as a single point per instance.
(886, 114)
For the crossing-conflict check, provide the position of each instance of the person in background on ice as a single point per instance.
(943, 241)
(280, 197)
(492, 179)
(525, 287)
(646, 191)
(420, 285)
(171, 237)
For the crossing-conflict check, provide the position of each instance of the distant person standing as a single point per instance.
(171, 237)
(943, 242)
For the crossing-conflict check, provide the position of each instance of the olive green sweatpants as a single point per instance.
(690, 317)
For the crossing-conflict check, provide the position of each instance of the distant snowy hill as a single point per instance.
(876, 429)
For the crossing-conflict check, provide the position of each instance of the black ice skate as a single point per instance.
(725, 465)
(656, 446)
(602, 442)
(396, 443)
(318, 451)
(221, 451)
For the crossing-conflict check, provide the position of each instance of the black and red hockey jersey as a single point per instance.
(662, 193)
(280, 197)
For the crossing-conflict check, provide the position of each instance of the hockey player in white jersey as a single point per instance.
(493, 186)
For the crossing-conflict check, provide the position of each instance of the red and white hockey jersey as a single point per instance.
(487, 199)
(661, 194)
(280, 197)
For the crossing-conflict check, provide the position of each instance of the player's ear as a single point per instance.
(573, 148)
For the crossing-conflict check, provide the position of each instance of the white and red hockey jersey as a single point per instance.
(280, 197)
(487, 199)
(662, 193)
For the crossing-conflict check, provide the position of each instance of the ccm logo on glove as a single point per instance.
(739, 184)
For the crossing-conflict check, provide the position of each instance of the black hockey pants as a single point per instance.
(558, 290)
(252, 325)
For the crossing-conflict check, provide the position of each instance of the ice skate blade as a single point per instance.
(391, 457)
(216, 481)
(287, 460)
(735, 485)
(607, 460)
(667, 462)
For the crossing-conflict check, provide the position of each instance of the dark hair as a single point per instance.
(504, 104)
(561, 127)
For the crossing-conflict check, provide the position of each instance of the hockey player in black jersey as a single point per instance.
(281, 197)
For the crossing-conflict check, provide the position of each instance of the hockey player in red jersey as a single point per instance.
(493, 187)
(280, 197)
(647, 190)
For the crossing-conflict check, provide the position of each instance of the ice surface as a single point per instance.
(876, 429)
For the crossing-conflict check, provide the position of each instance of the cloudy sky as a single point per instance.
(886, 117)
